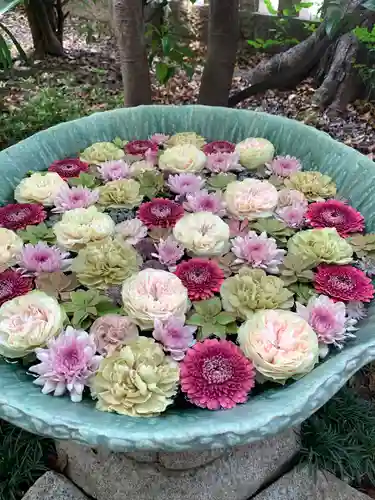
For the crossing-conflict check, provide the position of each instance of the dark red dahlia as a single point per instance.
(160, 212)
(343, 283)
(139, 148)
(201, 277)
(19, 215)
(216, 374)
(335, 213)
(218, 147)
(13, 284)
(70, 167)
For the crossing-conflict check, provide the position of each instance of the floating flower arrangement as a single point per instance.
(173, 270)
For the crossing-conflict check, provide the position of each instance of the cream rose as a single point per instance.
(154, 294)
(182, 159)
(203, 233)
(28, 322)
(280, 343)
(255, 152)
(10, 248)
(81, 226)
(39, 188)
(251, 198)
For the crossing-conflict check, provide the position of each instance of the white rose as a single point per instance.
(255, 152)
(251, 198)
(154, 294)
(39, 188)
(28, 322)
(10, 248)
(203, 233)
(182, 159)
(81, 226)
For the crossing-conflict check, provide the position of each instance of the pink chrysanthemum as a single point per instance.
(258, 251)
(334, 213)
(69, 198)
(293, 215)
(356, 310)
(139, 148)
(203, 201)
(328, 319)
(19, 215)
(175, 336)
(201, 277)
(13, 284)
(67, 364)
(344, 283)
(70, 167)
(218, 147)
(169, 252)
(160, 212)
(284, 166)
(183, 184)
(223, 162)
(216, 374)
(159, 138)
(41, 258)
(114, 170)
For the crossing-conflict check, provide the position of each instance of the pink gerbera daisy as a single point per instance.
(19, 215)
(216, 374)
(139, 148)
(219, 147)
(201, 277)
(335, 213)
(13, 284)
(344, 283)
(160, 212)
(70, 167)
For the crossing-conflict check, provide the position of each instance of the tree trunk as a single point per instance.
(221, 52)
(332, 56)
(46, 30)
(129, 28)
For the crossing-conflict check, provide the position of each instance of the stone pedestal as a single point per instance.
(233, 474)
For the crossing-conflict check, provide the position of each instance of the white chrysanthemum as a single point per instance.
(182, 159)
(154, 294)
(39, 188)
(203, 233)
(81, 226)
(10, 248)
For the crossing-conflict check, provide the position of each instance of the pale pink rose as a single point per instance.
(251, 199)
(290, 197)
(131, 231)
(258, 251)
(112, 330)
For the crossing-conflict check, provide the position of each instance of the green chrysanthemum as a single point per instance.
(314, 185)
(124, 193)
(252, 289)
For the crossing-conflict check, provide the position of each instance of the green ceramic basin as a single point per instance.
(22, 403)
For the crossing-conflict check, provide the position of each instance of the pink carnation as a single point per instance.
(183, 184)
(169, 252)
(218, 147)
(328, 319)
(41, 258)
(75, 197)
(67, 364)
(140, 147)
(216, 374)
(203, 201)
(223, 162)
(175, 336)
(114, 170)
(258, 251)
(284, 166)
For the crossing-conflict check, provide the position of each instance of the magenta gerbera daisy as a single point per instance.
(140, 148)
(13, 284)
(201, 277)
(335, 213)
(216, 374)
(344, 283)
(19, 215)
(219, 147)
(160, 212)
(70, 167)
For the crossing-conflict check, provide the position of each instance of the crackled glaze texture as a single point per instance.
(22, 403)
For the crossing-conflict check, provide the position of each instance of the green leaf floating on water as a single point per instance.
(152, 183)
(211, 320)
(274, 228)
(363, 244)
(295, 269)
(85, 180)
(221, 181)
(34, 234)
(303, 292)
